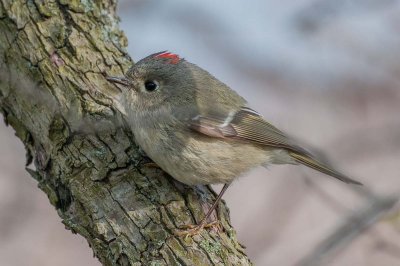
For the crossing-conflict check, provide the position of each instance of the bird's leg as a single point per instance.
(192, 230)
(151, 165)
(147, 162)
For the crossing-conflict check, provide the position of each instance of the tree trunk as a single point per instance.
(53, 93)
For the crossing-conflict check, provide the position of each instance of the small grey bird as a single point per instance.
(199, 130)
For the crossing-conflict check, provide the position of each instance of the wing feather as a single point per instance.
(245, 125)
(249, 126)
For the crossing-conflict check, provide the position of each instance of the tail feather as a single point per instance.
(319, 166)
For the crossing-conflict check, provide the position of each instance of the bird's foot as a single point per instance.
(192, 230)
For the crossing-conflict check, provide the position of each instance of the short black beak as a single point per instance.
(119, 80)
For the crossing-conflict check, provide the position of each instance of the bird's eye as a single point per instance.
(150, 85)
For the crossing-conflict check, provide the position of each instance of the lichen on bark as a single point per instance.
(53, 56)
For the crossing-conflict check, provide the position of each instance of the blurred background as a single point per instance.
(326, 72)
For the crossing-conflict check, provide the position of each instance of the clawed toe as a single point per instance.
(192, 230)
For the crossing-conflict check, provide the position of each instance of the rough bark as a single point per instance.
(53, 93)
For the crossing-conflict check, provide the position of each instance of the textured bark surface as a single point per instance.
(53, 93)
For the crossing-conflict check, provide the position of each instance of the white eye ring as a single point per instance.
(151, 85)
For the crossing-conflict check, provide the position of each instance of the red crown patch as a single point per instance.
(174, 59)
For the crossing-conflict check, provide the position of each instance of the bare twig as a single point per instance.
(373, 211)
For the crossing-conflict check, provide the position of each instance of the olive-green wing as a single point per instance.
(249, 126)
(245, 125)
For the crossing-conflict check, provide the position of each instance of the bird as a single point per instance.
(199, 130)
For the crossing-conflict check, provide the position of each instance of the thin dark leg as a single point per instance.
(196, 229)
(215, 205)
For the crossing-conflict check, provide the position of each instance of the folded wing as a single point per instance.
(249, 126)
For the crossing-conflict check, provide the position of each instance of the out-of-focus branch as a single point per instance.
(374, 210)
(53, 93)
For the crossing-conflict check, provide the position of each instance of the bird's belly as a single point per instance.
(202, 160)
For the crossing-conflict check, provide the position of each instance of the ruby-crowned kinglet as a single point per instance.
(199, 130)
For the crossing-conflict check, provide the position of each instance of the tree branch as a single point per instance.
(375, 208)
(53, 93)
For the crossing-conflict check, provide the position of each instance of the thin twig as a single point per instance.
(349, 230)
